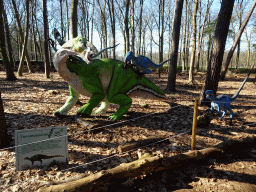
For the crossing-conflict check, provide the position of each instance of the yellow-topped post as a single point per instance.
(194, 125)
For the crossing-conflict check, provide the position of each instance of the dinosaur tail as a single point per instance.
(159, 65)
(235, 96)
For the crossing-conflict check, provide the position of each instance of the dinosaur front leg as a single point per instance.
(125, 103)
(71, 101)
(86, 110)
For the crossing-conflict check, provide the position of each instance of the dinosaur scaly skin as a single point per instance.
(103, 80)
(142, 62)
(39, 157)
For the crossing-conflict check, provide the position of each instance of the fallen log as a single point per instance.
(145, 165)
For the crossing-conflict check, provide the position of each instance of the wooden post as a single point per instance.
(194, 125)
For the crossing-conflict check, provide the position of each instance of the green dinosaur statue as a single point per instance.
(39, 157)
(104, 80)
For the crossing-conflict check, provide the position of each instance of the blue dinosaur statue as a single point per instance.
(223, 102)
(142, 62)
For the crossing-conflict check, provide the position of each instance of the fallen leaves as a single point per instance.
(32, 104)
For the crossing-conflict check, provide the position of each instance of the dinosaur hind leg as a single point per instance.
(223, 114)
(231, 116)
(86, 110)
(125, 103)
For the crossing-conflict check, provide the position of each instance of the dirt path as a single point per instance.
(31, 101)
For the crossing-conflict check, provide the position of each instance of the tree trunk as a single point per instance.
(8, 39)
(201, 35)
(33, 15)
(68, 18)
(16, 15)
(146, 164)
(248, 39)
(231, 51)
(113, 24)
(3, 128)
(8, 67)
(161, 33)
(133, 26)
(140, 27)
(184, 38)
(219, 42)
(73, 19)
(22, 58)
(61, 20)
(46, 44)
(193, 53)
(126, 24)
(175, 46)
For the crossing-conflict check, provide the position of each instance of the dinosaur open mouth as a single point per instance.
(127, 62)
(90, 57)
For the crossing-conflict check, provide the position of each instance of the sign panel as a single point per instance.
(40, 146)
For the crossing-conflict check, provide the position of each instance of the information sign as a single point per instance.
(40, 146)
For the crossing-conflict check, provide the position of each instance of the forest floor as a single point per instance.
(31, 101)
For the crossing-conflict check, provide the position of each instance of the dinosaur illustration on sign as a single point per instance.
(40, 157)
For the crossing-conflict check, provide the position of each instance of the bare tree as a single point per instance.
(184, 63)
(17, 17)
(8, 38)
(73, 19)
(133, 25)
(61, 20)
(92, 21)
(8, 67)
(46, 45)
(193, 53)
(219, 42)
(248, 40)
(171, 84)
(201, 34)
(126, 24)
(103, 25)
(67, 18)
(22, 58)
(236, 41)
(140, 26)
(111, 8)
(161, 33)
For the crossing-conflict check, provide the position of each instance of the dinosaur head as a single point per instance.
(56, 33)
(210, 94)
(129, 57)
